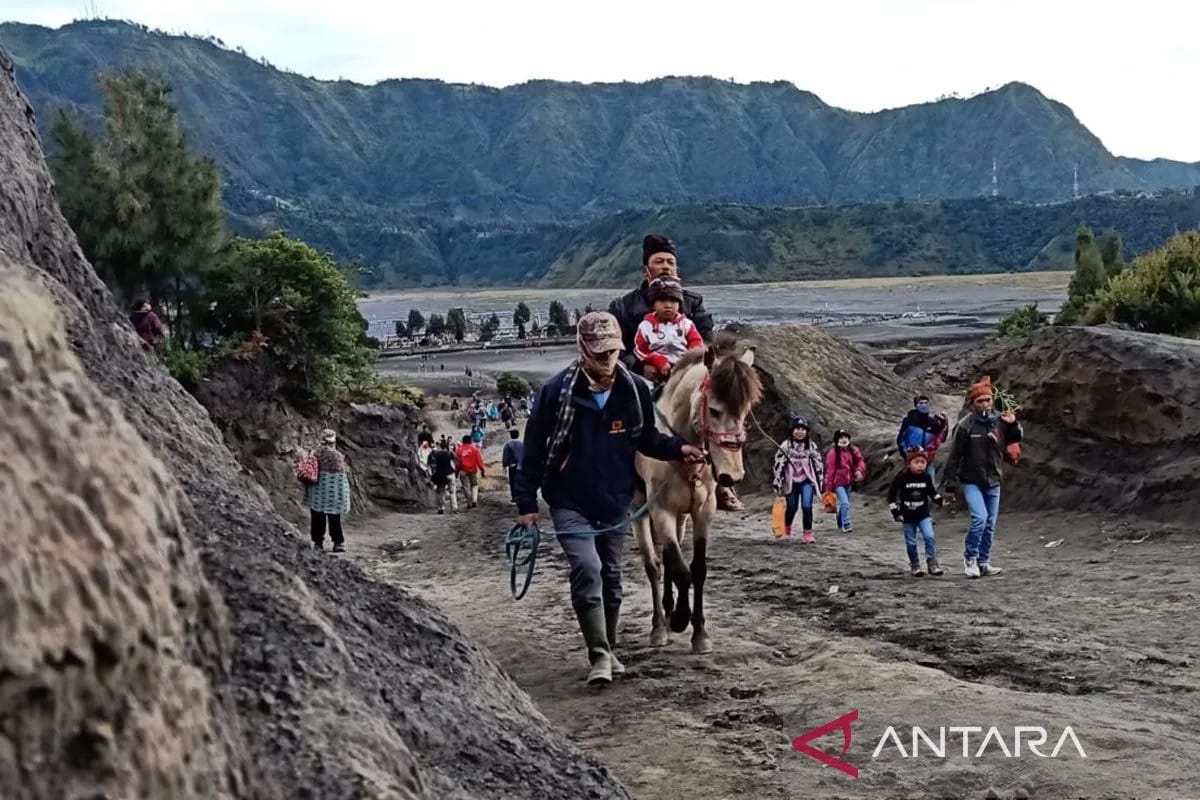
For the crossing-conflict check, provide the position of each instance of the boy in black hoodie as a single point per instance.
(909, 499)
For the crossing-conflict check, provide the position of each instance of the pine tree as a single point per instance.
(147, 211)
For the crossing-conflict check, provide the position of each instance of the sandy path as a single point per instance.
(1098, 633)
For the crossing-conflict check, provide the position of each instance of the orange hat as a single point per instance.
(980, 388)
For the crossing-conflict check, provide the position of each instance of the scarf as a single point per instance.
(565, 414)
(592, 365)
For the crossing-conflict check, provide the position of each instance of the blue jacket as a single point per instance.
(597, 477)
(922, 430)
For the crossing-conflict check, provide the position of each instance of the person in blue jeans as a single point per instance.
(909, 499)
(845, 470)
(799, 470)
(976, 456)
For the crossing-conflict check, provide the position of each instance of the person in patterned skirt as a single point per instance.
(328, 499)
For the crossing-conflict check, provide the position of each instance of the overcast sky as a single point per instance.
(1128, 68)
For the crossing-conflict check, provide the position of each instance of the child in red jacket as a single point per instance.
(845, 469)
(665, 334)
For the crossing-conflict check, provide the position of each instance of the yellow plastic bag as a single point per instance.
(778, 512)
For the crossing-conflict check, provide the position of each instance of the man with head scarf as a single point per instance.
(976, 455)
(587, 424)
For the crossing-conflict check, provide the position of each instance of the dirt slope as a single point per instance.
(830, 381)
(323, 683)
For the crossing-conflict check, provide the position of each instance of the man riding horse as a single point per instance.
(659, 259)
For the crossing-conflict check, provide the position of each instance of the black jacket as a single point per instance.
(977, 451)
(630, 309)
(441, 465)
(911, 495)
(597, 477)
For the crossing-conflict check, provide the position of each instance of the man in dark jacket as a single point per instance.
(441, 471)
(658, 260)
(976, 454)
(587, 424)
(514, 451)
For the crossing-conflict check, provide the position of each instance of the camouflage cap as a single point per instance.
(599, 332)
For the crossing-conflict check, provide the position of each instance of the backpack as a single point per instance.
(308, 470)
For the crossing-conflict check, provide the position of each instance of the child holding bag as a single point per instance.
(845, 468)
(797, 477)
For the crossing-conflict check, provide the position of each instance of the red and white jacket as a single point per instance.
(661, 344)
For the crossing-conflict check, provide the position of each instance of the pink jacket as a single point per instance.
(844, 467)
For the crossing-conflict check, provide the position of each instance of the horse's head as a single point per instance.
(728, 392)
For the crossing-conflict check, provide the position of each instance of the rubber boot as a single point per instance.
(611, 616)
(591, 623)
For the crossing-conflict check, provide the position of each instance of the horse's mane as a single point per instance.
(734, 384)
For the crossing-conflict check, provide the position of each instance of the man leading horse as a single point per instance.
(586, 427)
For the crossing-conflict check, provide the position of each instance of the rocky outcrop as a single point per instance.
(294, 675)
(100, 593)
(1111, 419)
(829, 381)
(247, 402)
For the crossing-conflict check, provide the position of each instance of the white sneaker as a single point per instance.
(988, 570)
(970, 568)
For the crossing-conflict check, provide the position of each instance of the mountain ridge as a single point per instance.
(379, 172)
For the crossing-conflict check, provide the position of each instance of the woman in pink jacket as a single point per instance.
(845, 470)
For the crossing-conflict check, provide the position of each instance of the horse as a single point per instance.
(705, 401)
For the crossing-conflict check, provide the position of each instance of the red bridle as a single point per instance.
(727, 440)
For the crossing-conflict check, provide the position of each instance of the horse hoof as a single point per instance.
(680, 619)
(701, 645)
(658, 637)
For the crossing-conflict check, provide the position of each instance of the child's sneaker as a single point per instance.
(988, 570)
(808, 537)
(934, 567)
(970, 568)
(848, 529)
(916, 571)
(787, 532)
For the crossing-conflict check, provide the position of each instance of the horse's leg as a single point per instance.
(677, 571)
(700, 528)
(652, 561)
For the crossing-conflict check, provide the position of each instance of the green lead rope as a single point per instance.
(521, 546)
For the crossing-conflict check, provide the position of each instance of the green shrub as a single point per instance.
(509, 384)
(370, 387)
(1022, 321)
(1159, 292)
(188, 367)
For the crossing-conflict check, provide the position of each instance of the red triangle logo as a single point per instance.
(842, 723)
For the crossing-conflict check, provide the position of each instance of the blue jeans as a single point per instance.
(843, 496)
(931, 471)
(985, 507)
(801, 496)
(925, 527)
